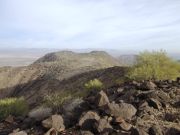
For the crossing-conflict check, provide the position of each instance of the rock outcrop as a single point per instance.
(134, 108)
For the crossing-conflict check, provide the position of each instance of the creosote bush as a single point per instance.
(154, 65)
(13, 106)
(94, 85)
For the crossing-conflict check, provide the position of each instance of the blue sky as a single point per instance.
(77, 24)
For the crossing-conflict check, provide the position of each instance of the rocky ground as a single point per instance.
(133, 108)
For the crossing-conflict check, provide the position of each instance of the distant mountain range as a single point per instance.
(24, 57)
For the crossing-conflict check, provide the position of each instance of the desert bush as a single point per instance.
(154, 65)
(56, 100)
(94, 85)
(13, 106)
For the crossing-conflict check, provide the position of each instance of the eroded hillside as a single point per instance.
(53, 67)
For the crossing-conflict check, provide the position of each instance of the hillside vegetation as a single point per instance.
(154, 66)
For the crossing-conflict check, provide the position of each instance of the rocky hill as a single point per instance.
(50, 70)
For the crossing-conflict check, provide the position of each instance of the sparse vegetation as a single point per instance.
(154, 65)
(94, 85)
(13, 106)
(56, 100)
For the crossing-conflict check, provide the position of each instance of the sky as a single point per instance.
(80, 24)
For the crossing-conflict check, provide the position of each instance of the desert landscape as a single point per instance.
(88, 93)
(89, 67)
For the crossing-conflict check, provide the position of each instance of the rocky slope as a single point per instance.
(132, 108)
(52, 67)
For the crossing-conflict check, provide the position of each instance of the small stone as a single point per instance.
(148, 85)
(55, 121)
(58, 123)
(154, 103)
(155, 130)
(88, 120)
(86, 133)
(9, 119)
(125, 126)
(103, 125)
(101, 99)
(19, 133)
(52, 131)
(47, 123)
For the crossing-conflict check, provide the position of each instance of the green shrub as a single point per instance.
(13, 106)
(94, 85)
(154, 65)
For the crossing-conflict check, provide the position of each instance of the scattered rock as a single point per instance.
(103, 126)
(138, 131)
(58, 123)
(19, 133)
(88, 120)
(123, 110)
(155, 130)
(55, 121)
(52, 131)
(9, 119)
(154, 103)
(40, 114)
(86, 133)
(143, 108)
(101, 99)
(148, 85)
(47, 123)
(173, 131)
(125, 126)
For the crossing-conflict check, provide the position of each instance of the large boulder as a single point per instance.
(124, 110)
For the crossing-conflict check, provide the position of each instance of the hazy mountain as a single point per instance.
(127, 60)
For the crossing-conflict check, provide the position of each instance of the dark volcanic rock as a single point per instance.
(155, 130)
(173, 131)
(148, 85)
(88, 120)
(154, 103)
(138, 131)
